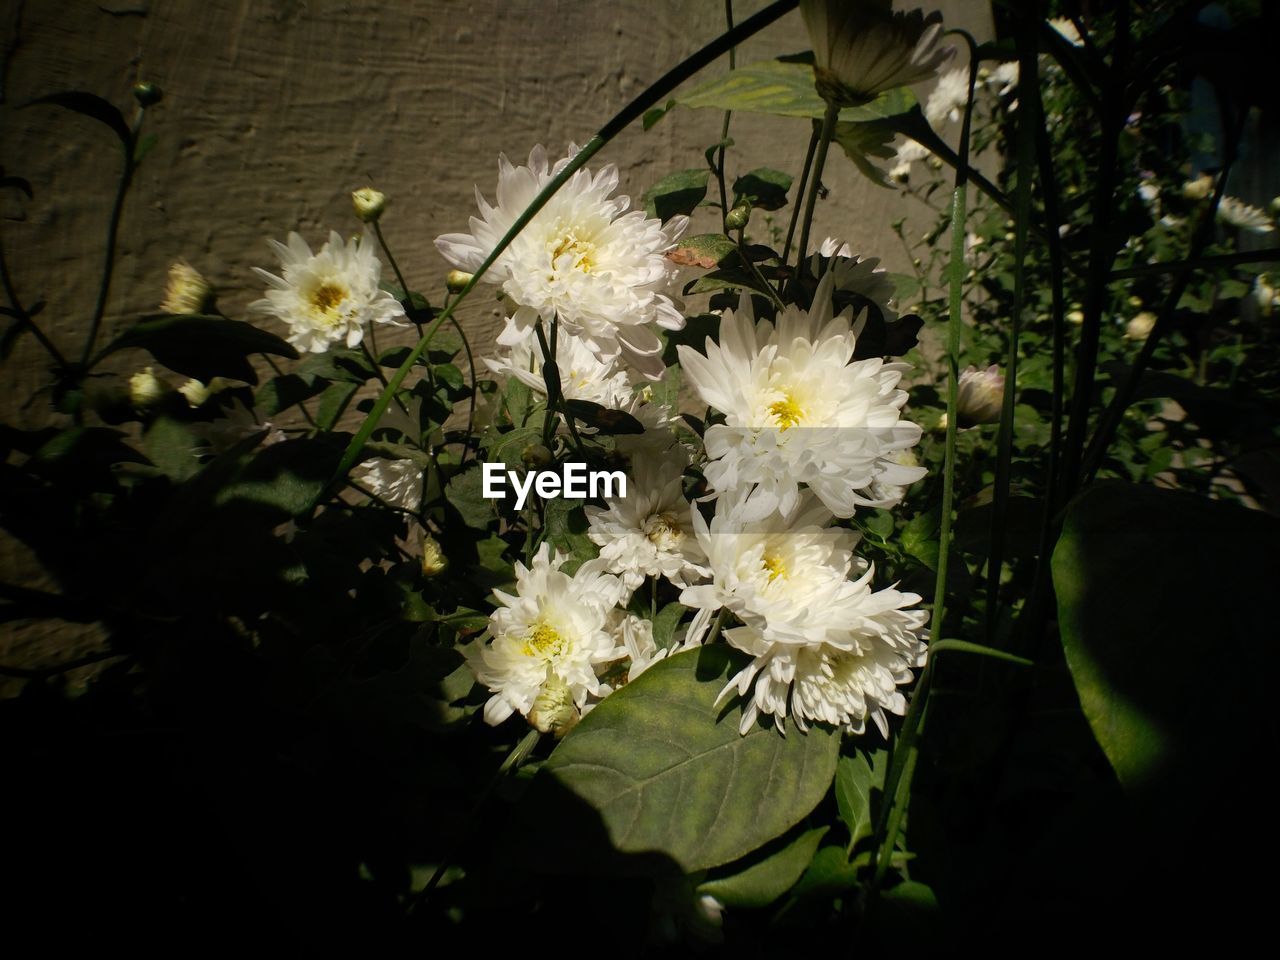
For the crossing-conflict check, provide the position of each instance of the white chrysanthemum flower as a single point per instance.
(554, 626)
(862, 49)
(659, 438)
(908, 152)
(1067, 30)
(1243, 216)
(649, 532)
(583, 376)
(947, 100)
(395, 482)
(582, 259)
(979, 396)
(798, 411)
(865, 277)
(892, 494)
(834, 247)
(1003, 80)
(825, 646)
(329, 296)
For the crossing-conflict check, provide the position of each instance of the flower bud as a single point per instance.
(369, 204)
(553, 709)
(147, 94)
(1199, 188)
(1274, 206)
(1075, 316)
(433, 559)
(1139, 328)
(456, 280)
(1135, 302)
(146, 389)
(535, 455)
(738, 217)
(980, 396)
(198, 393)
(187, 291)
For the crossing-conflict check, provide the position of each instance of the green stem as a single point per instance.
(724, 127)
(25, 318)
(1028, 121)
(1269, 255)
(633, 111)
(824, 141)
(804, 180)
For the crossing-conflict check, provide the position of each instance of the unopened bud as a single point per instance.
(1199, 188)
(1075, 316)
(187, 291)
(147, 94)
(369, 204)
(553, 708)
(1135, 302)
(456, 280)
(535, 455)
(1274, 206)
(146, 389)
(1140, 327)
(198, 393)
(738, 217)
(980, 396)
(433, 559)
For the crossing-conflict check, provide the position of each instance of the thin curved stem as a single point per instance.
(633, 111)
(109, 257)
(824, 141)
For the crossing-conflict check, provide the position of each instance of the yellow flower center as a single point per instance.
(326, 299)
(775, 566)
(786, 411)
(663, 531)
(544, 639)
(581, 252)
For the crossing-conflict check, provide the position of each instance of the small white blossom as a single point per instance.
(395, 482)
(583, 259)
(947, 100)
(583, 376)
(556, 627)
(1243, 216)
(980, 396)
(326, 297)
(187, 291)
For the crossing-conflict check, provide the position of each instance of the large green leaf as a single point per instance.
(675, 194)
(762, 883)
(785, 88)
(1162, 608)
(667, 771)
(202, 347)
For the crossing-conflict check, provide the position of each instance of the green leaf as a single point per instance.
(856, 778)
(830, 874)
(667, 771)
(283, 392)
(171, 446)
(1162, 607)
(566, 526)
(765, 187)
(764, 882)
(464, 491)
(286, 477)
(665, 623)
(920, 538)
(676, 194)
(333, 401)
(705, 250)
(862, 142)
(785, 88)
(90, 105)
(202, 347)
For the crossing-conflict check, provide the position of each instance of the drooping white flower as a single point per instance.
(555, 625)
(649, 532)
(583, 376)
(1244, 216)
(797, 410)
(396, 482)
(947, 100)
(583, 259)
(326, 297)
(825, 646)
(909, 152)
(862, 49)
(146, 389)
